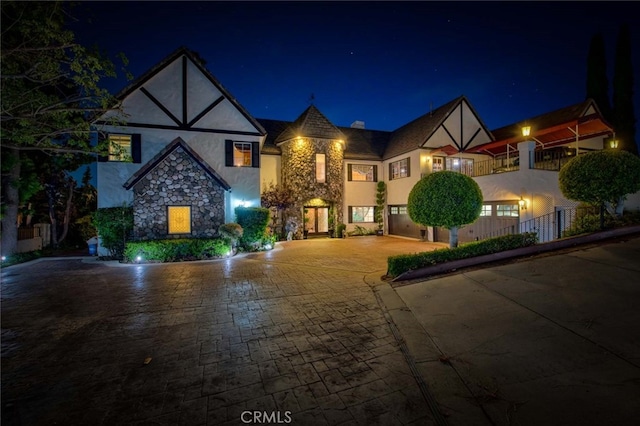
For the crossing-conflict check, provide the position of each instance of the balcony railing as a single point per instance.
(552, 159)
(500, 164)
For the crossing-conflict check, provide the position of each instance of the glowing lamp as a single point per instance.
(522, 203)
(613, 143)
(526, 131)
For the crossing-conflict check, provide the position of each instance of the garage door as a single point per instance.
(497, 217)
(400, 223)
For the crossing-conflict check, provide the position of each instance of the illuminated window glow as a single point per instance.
(362, 214)
(510, 210)
(241, 154)
(363, 172)
(119, 147)
(179, 219)
(486, 210)
(399, 169)
(321, 168)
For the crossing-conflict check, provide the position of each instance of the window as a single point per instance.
(242, 154)
(402, 210)
(179, 219)
(363, 172)
(393, 210)
(460, 165)
(486, 210)
(438, 164)
(510, 210)
(321, 168)
(399, 169)
(119, 147)
(361, 214)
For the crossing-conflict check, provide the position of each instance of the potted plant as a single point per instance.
(379, 213)
(331, 222)
(305, 231)
(340, 230)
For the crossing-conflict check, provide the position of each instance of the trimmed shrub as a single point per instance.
(399, 264)
(231, 231)
(176, 250)
(254, 222)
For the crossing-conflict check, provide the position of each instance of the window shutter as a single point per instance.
(350, 214)
(136, 148)
(349, 169)
(228, 153)
(255, 154)
(408, 166)
(375, 173)
(390, 171)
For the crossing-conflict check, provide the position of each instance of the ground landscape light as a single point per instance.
(138, 258)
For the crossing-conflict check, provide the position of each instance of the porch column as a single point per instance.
(525, 150)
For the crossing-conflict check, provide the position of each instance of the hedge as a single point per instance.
(254, 222)
(399, 264)
(176, 250)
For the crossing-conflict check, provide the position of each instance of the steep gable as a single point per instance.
(179, 93)
(168, 150)
(455, 125)
(311, 124)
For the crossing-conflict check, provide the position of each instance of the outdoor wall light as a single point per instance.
(526, 131)
(4, 258)
(522, 203)
(613, 143)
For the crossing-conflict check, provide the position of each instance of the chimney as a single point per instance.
(357, 124)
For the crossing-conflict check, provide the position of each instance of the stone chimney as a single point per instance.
(357, 124)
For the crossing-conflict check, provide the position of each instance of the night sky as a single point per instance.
(384, 63)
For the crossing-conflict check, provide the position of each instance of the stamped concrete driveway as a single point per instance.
(296, 335)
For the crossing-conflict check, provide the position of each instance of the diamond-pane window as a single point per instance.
(179, 219)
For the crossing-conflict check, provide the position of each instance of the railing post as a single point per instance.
(559, 224)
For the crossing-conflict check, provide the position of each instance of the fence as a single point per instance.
(28, 233)
(551, 159)
(500, 164)
(556, 225)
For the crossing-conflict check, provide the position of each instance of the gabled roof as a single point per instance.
(199, 63)
(311, 124)
(273, 128)
(415, 133)
(364, 144)
(177, 143)
(552, 128)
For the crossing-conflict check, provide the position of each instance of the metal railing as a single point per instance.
(553, 160)
(500, 164)
(558, 224)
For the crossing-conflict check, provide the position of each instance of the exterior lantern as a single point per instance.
(613, 143)
(522, 203)
(526, 131)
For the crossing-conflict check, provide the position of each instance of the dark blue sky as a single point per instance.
(384, 63)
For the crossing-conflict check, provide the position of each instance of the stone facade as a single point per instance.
(299, 174)
(178, 180)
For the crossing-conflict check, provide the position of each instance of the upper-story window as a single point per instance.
(120, 148)
(321, 168)
(363, 172)
(242, 154)
(399, 169)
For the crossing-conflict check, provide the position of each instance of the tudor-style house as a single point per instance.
(189, 153)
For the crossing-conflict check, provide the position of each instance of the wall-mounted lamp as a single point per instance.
(526, 131)
(522, 203)
(613, 143)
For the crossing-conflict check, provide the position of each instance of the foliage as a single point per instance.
(254, 222)
(381, 193)
(231, 231)
(114, 225)
(446, 199)
(399, 264)
(361, 230)
(599, 177)
(340, 230)
(17, 258)
(50, 89)
(176, 250)
(277, 196)
(623, 111)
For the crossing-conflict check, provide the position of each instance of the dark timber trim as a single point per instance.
(162, 107)
(205, 111)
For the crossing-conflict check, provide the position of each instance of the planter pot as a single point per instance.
(379, 232)
(423, 233)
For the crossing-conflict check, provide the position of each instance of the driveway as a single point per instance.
(295, 335)
(309, 334)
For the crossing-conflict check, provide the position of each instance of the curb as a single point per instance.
(564, 243)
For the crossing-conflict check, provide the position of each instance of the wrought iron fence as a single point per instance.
(500, 164)
(561, 223)
(551, 159)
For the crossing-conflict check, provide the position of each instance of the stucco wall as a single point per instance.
(398, 189)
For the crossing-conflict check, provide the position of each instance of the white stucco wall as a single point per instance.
(270, 170)
(398, 189)
(360, 194)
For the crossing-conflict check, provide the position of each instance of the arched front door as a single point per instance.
(316, 220)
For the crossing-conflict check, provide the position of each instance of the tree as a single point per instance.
(624, 120)
(49, 92)
(278, 197)
(601, 178)
(597, 81)
(446, 199)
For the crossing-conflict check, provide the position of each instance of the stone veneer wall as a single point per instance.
(298, 173)
(178, 180)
